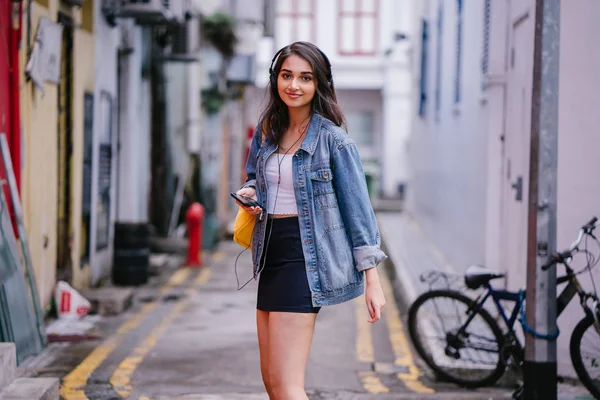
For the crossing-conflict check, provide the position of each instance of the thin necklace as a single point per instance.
(283, 156)
(293, 144)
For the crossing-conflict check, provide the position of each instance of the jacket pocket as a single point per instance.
(336, 262)
(322, 188)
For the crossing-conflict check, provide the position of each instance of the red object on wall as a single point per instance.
(15, 141)
(10, 35)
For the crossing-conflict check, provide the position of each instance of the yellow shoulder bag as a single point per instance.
(243, 227)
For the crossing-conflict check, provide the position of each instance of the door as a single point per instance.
(65, 152)
(517, 143)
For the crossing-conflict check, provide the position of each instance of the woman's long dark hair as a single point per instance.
(275, 118)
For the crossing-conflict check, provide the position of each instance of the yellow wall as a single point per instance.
(39, 174)
(39, 191)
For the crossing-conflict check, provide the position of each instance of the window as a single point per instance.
(423, 80)
(357, 29)
(295, 21)
(438, 67)
(459, 26)
(486, 44)
(361, 127)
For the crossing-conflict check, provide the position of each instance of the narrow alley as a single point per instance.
(193, 336)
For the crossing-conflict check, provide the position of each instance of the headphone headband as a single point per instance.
(274, 78)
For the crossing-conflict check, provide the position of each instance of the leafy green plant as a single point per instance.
(212, 100)
(219, 30)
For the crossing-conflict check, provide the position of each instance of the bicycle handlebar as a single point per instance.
(561, 257)
(591, 224)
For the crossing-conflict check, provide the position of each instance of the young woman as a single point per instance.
(316, 240)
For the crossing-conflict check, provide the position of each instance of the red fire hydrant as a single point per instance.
(195, 219)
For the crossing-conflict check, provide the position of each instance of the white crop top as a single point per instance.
(282, 201)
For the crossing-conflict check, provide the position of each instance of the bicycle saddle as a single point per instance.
(477, 276)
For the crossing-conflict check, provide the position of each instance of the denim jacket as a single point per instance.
(340, 237)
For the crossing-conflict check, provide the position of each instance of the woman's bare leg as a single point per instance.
(262, 328)
(289, 341)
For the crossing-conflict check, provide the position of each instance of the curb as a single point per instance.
(400, 278)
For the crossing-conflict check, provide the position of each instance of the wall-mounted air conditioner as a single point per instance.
(178, 10)
(147, 12)
(183, 46)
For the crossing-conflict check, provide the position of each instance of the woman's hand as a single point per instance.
(251, 194)
(374, 295)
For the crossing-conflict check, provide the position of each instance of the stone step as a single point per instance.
(109, 300)
(31, 389)
(8, 364)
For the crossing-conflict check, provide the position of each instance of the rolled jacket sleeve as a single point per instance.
(355, 207)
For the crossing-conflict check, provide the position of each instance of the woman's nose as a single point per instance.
(294, 84)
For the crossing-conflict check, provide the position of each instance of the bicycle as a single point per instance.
(470, 349)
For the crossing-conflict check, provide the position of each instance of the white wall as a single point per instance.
(578, 144)
(448, 148)
(134, 131)
(107, 42)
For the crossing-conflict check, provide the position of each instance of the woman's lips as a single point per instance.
(293, 95)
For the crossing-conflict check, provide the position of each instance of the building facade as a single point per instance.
(82, 113)
(470, 139)
(366, 44)
(53, 114)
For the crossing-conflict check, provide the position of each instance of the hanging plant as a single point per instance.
(212, 100)
(219, 30)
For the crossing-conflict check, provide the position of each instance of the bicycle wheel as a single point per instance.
(471, 358)
(585, 354)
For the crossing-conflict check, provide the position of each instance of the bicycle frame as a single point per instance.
(573, 287)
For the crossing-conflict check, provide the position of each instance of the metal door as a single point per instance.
(517, 142)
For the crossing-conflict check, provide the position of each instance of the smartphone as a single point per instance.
(248, 202)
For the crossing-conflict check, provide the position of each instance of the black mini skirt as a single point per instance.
(283, 284)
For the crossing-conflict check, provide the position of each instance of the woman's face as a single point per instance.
(296, 84)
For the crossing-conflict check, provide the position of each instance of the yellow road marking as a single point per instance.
(179, 277)
(218, 256)
(73, 385)
(400, 342)
(371, 382)
(144, 398)
(364, 341)
(364, 348)
(203, 276)
(120, 380)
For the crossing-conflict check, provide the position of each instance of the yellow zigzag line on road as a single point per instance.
(364, 349)
(121, 377)
(73, 385)
(400, 343)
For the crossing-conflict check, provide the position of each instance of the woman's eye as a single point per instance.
(285, 76)
(307, 78)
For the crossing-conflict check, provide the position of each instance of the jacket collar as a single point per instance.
(309, 144)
